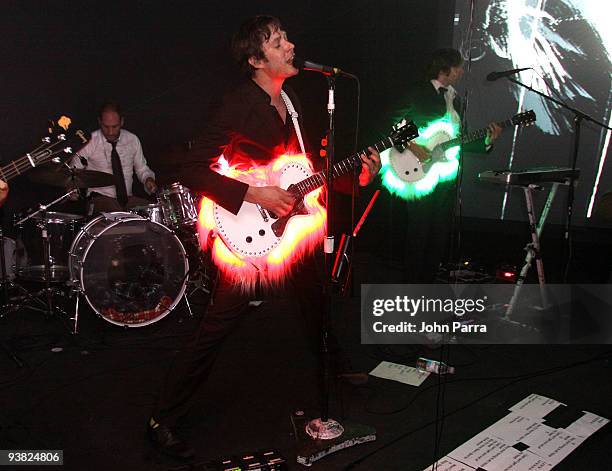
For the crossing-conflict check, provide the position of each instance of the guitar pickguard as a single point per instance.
(407, 166)
(254, 232)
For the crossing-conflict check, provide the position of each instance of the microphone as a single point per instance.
(323, 69)
(506, 73)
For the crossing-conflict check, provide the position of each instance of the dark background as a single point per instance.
(167, 64)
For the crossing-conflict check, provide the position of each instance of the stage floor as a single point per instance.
(90, 394)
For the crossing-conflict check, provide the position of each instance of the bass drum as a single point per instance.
(131, 270)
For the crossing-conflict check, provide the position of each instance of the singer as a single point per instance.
(252, 128)
(426, 244)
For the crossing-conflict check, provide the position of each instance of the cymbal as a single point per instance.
(71, 178)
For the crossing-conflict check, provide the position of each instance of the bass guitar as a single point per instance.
(60, 141)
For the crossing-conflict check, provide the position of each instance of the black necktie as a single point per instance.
(118, 173)
(442, 91)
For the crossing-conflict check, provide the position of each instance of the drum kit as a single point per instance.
(133, 268)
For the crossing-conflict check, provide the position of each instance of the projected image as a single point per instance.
(558, 40)
(567, 46)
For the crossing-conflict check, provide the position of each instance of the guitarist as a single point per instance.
(430, 218)
(252, 127)
(4, 189)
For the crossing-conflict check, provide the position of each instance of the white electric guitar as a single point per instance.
(255, 231)
(407, 166)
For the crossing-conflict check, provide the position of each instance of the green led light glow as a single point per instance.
(439, 172)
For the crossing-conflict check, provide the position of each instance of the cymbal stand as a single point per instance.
(199, 278)
(8, 303)
(5, 305)
(76, 291)
(48, 291)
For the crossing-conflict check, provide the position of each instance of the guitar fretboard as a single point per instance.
(473, 136)
(38, 156)
(343, 167)
(17, 167)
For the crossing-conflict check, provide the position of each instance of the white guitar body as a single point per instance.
(254, 247)
(249, 233)
(408, 168)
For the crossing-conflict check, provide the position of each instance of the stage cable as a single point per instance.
(455, 246)
(457, 220)
(514, 380)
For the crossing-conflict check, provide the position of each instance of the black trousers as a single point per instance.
(192, 365)
(427, 238)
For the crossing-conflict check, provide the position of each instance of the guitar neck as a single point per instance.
(472, 136)
(343, 167)
(37, 157)
(16, 168)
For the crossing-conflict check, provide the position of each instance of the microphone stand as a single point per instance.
(325, 435)
(579, 116)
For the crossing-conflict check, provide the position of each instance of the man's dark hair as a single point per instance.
(441, 61)
(110, 106)
(248, 40)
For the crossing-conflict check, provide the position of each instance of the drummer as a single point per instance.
(118, 152)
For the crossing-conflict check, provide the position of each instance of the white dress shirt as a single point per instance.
(449, 97)
(98, 155)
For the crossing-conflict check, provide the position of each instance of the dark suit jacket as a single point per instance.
(424, 105)
(246, 129)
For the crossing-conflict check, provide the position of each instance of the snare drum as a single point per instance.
(61, 229)
(132, 271)
(152, 212)
(179, 206)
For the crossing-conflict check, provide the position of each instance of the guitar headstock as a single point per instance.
(62, 142)
(526, 118)
(402, 133)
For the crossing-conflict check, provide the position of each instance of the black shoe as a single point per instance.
(165, 440)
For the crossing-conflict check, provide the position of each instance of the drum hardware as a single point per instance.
(47, 271)
(179, 212)
(131, 271)
(178, 206)
(5, 305)
(201, 275)
(7, 255)
(153, 212)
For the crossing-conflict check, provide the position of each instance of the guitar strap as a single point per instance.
(294, 117)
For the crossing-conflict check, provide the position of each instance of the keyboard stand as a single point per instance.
(533, 248)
